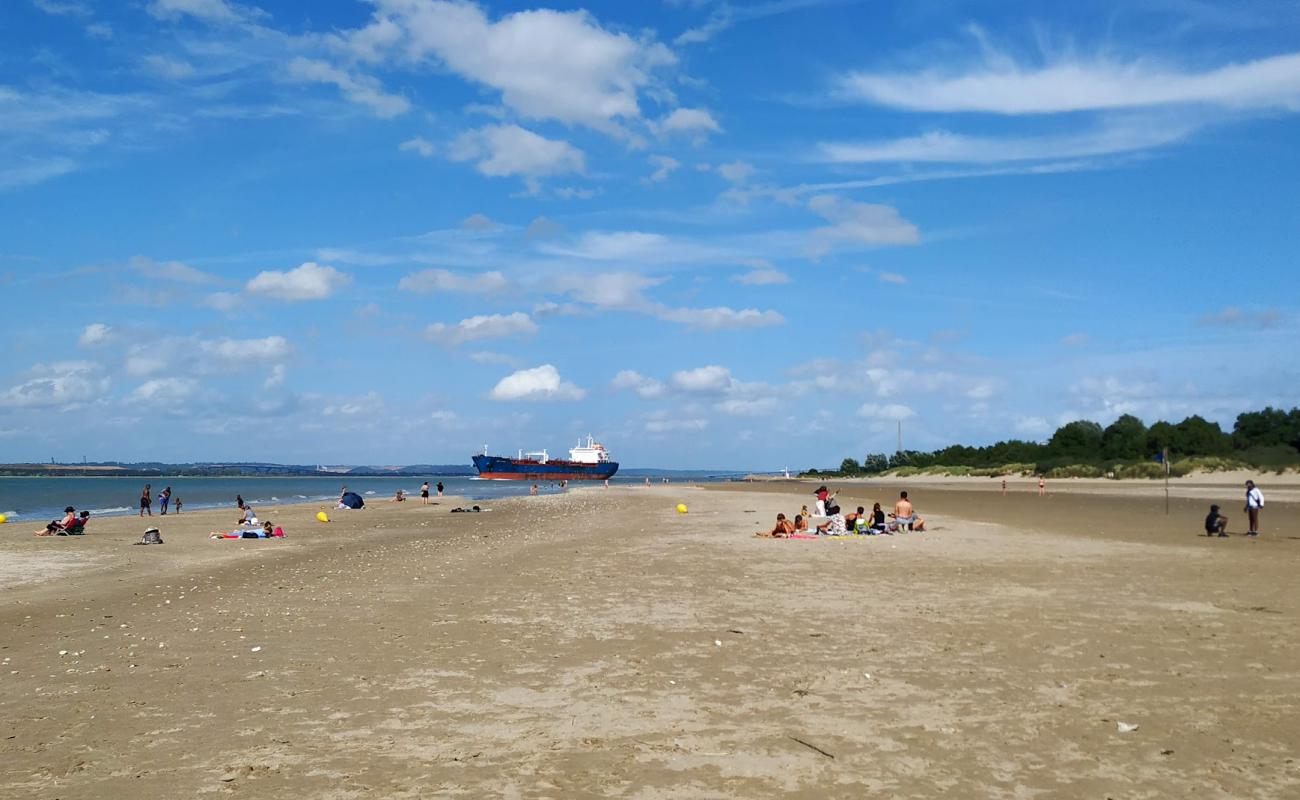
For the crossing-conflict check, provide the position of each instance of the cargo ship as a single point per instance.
(586, 462)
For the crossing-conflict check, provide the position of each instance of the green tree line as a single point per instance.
(1268, 439)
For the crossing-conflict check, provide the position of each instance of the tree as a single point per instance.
(1272, 426)
(1160, 436)
(1124, 439)
(875, 463)
(850, 466)
(1080, 440)
(1200, 437)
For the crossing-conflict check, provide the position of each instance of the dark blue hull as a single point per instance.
(500, 468)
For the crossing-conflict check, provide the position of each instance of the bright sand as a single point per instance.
(599, 644)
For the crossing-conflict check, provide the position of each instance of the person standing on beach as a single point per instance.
(1254, 502)
(439, 488)
(239, 502)
(177, 504)
(164, 499)
(1042, 486)
(1004, 487)
(424, 493)
(146, 501)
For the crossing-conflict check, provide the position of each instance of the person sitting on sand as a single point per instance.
(249, 517)
(856, 520)
(1216, 523)
(801, 522)
(878, 519)
(400, 496)
(904, 514)
(833, 526)
(784, 527)
(59, 527)
(78, 527)
(803, 512)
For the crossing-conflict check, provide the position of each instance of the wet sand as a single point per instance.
(597, 644)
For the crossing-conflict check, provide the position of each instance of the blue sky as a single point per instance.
(713, 234)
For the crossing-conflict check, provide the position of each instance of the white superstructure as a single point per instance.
(593, 452)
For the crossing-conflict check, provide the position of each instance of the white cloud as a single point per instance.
(478, 222)
(223, 301)
(506, 150)
(1001, 86)
(608, 290)
(720, 317)
(94, 333)
(736, 171)
(1032, 426)
(276, 377)
(270, 349)
(164, 390)
(488, 357)
(170, 271)
(62, 8)
(675, 425)
(206, 10)
(543, 228)
(441, 280)
(360, 89)
(495, 326)
(888, 411)
(748, 406)
(172, 69)
(65, 384)
(1111, 137)
(368, 405)
(712, 379)
(664, 166)
(691, 122)
(762, 277)
(418, 144)
(309, 281)
(547, 64)
(861, 223)
(538, 383)
(614, 246)
(642, 385)
(1234, 316)
(891, 277)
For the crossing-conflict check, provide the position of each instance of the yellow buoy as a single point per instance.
(322, 516)
(3, 519)
(681, 508)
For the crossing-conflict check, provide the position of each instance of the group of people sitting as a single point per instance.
(72, 524)
(861, 522)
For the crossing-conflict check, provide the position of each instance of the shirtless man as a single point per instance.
(904, 514)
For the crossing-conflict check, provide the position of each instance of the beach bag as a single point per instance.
(151, 536)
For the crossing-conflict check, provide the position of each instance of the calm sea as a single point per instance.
(45, 498)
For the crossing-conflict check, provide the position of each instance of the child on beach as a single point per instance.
(176, 504)
(801, 522)
(783, 529)
(1216, 523)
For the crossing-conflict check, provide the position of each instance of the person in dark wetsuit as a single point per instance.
(146, 502)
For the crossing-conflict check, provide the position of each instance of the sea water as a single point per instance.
(41, 499)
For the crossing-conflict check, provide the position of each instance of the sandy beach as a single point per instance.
(599, 644)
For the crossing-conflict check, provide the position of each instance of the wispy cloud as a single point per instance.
(1002, 86)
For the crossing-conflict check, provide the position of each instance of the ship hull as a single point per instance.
(500, 468)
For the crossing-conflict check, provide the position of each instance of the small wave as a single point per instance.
(370, 492)
(113, 510)
(10, 514)
(275, 499)
(301, 496)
